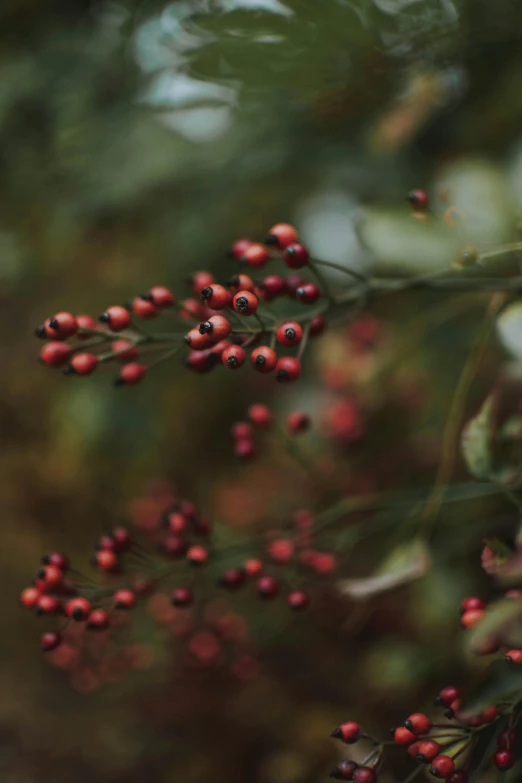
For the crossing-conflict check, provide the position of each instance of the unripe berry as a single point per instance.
(245, 303)
(215, 296)
(197, 555)
(125, 350)
(272, 286)
(85, 321)
(308, 293)
(442, 767)
(50, 641)
(267, 587)
(403, 736)
(29, 597)
(106, 560)
(182, 597)
(98, 620)
(161, 296)
(260, 415)
(427, 751)
(253, 567)
(472, 603)
(297, 422)
(239, 248)
(470, 618)
(364, 775)
(143, 308)
(281, 235)
(344, 770)
(504, 759)
(514, 656)
(124, 599)
(296, 256)
(418, 723)
(233, 357)
(62, 325)
(241, 283)
(217, 326)
(418, 199)
(264, 359)
(78, 608)
(255, 255)
(297, 600)
(47, 604)
(288, 369)
(55, 353)
(117, 318)
(289, 333)
(83, 363)
(233, 579)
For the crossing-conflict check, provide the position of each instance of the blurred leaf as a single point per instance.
(497, 622)
(476, 442)
(494, 555)
(509, 327)
(500, 683)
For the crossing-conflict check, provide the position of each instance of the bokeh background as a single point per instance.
(137, 140)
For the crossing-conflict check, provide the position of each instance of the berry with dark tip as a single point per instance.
(55, 353)
(124, 599)
(215, 296)
(233, 357)
(418, 199)
(287, 369)
(182, 597)
(442, 767)
(297, 600)
(296, 256)
(267, 587)
(290, 333)
(264, 359)
(116, 317)
(344, 770)
(418, 723)
(245, 303)
(98, 620)
(50, 641)
(281, 235)
(308, 293)
(78, 608)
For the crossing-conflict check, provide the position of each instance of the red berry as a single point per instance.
(267, 587)
(241, 283)
(106, 560)
(472, 603)
(297, 600)
(85, 322)
(125, 350)
(198, 340)
(281, 550)
(308, 293)
(197, 555)
(239, 248)
(233, 579)
(55, 353)
(217, 326)
(288, 369)
(201, 280)
(448, 694)
(344, 770)
(215, 296)
(51, 576)
(504, 759)
(143, 308)
(201, 361)
(413, 749)
(161, 296)
(131, 374)
(459, 776)
(489, 714)
(192, 309)
(98, 620)
(297, 422)
(244, 448)
(364, 775)
(418, 723)
(50, 641)
(241, 430)
(289, 333)
(83, 363)
(62, 325)
(174, 546)
(403, 736)
(182, 597)
(272, 286)
(255, 255)
(514, 656)
(253, 567)
(245, 303)
(472, 617)
(296, 256)
(47, 604)
(317, 326)
(418, 199)
(233, 357)
(78, 608)
(442, 767)
(427, 751)
(260, 415)
(281, 235)
(116, 317)
(124, 599)
(29, 597)
(264, 359)
(219, 347)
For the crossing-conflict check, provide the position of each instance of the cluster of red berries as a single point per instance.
(260, 417)
(439, 745)
(473, 611)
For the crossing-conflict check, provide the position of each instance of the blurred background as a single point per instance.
(138, 139)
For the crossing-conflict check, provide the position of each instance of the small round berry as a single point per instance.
(233, 578)
(239, 248)
(241, 283)
(253, 567)
(62, 325)
(293, 282)
(55, 353)
(201, 361)
(29, 597)
(201, 280)
(161, 296)
(459, 776)
(288, 369)
(116, 317)
(78, 608)
(241, 430)
(470, 618)
(344, 770)
(219, 347)
(217, 326)
(47, 604)
(215, 296)
(427, 751)
(418, 199)
(83, 364)
(264, 359)
(198, 340)
(489, 714)
(124, 350)
(297, 422)
(418, 723)
(364, 775)
(448, 695)
(403, 736)
(296, 256)
(131, 374)
(504, 759)
(308, 293)
(413, 749)
(106, 560)
(98, 620)
(192, 309)
(281, 550)
(197, 555)
(472, 603)
(124, 599)
(143, 308)
(245, 303)
(289, 333)
(272, 286)
(255, 255)
(442, 767)
(297, 600)
(51, 576)
(174, 546)
(281, 235)
(182, 597)
(50, 641)
(260, 415)
(267, 587)
(317, 326)
(244, 448)
(85, 321)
